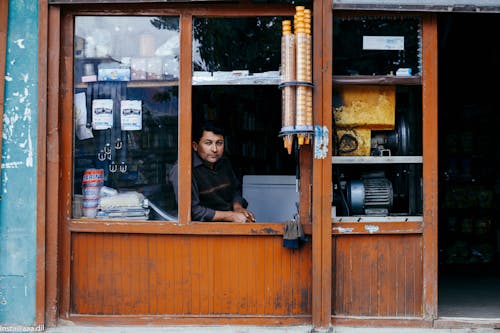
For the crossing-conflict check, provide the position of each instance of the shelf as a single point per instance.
(246, 80)
(377, 80)
(377, 227)
(138, 84)
(376, 159)
(250, 80)
(372, 219)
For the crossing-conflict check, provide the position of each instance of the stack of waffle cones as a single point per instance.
(297, 69)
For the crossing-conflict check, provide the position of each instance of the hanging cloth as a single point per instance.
(294, 236)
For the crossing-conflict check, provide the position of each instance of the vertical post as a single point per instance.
(185, 119)
(430, 164)
(322, 168)
(41, 163)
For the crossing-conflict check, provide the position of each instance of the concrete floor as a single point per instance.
(469, 296)
(460, 296)
(253, 329)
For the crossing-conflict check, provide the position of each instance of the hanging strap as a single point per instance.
(122, 134)
(101, 134)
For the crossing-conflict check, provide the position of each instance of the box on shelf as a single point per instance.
(112, 72)
(154, 68)
(138, 68)
(371, 107)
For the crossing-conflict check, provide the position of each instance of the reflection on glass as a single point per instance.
(228, 44)
(118, 48)
(376, 45)
(125, 136)
(236, 71)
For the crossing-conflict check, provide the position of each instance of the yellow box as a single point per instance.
(372, 107)
(358, 138)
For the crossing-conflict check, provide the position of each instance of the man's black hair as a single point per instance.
(206, 126)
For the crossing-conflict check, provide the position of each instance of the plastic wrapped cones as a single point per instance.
(288, 92)
(297, 79)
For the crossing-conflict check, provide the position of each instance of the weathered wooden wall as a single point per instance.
(135, 274)
(378, 275)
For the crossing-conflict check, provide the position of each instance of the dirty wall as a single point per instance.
(19, 167)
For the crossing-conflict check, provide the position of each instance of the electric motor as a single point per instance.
(370, 196)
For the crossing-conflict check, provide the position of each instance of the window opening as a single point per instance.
(126, 73)
(236, 63)
(377, 119)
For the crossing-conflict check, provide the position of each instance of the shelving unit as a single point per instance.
(374, 178)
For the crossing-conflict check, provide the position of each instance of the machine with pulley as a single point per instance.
(375, 186)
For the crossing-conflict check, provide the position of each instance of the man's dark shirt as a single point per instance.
(211, 189)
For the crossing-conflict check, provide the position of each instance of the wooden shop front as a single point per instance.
(142, 260)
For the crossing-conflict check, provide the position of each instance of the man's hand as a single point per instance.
(244, 216)
(237, 207)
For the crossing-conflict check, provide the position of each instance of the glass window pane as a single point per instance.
(236, 65)
(227, 44)
(376, 45)
(126, 116)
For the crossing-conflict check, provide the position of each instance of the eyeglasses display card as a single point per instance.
(102, 114)
(131, 115)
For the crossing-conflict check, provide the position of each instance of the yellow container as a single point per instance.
(372, 107)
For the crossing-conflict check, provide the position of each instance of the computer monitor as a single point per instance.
(272, 198)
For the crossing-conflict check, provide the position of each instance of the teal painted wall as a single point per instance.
(19, 157)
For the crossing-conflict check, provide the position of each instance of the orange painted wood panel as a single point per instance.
(378, 276)
(141, 274)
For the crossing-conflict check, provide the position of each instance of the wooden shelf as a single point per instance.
(377, 80)
(372, 219)
(140, 84)
(376, 159)
(413, 226)
(245, 80)
(250, 80)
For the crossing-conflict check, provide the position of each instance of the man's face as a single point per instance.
(210, 147)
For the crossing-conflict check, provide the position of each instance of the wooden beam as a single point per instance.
(326, 163)
(64, 132)
(185, 119)
(41, 162)
(430, 164)
(322, 168)
(52, 163)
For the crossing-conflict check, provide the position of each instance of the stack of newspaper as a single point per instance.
(128, 206)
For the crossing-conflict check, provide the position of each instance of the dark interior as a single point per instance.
(469, 183)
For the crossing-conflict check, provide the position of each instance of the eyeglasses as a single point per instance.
(131, 111)
(102, 110)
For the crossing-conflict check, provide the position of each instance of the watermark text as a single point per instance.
(39, 328)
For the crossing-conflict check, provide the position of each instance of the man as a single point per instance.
(215, 188)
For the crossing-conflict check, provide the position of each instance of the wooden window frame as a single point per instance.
(185, 12)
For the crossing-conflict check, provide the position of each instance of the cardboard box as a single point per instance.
(113, 74)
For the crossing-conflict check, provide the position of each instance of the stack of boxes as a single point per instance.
(93, 181)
